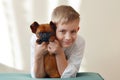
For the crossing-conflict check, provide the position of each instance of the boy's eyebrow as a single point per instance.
(62, 29)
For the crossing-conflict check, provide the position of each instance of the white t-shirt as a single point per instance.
(74, 55)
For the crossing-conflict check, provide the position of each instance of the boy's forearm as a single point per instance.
(39, 67)
(61, 62)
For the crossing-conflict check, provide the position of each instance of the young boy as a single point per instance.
(68, 47)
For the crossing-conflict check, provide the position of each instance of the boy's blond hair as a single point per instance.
(64, 14)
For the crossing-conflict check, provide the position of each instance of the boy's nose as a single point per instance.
(68, 36)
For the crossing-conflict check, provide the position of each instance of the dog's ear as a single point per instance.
(53, 26)
(34, 26)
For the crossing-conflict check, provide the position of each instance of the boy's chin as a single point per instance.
(66, 46)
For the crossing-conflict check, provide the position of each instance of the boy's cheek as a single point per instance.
(59, 37)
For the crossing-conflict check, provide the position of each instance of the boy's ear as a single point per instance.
(53, 26)
(34, 26)
(78, 28)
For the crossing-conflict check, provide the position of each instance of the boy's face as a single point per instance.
(67, 33)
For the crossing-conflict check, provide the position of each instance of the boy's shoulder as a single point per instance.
(80, 40)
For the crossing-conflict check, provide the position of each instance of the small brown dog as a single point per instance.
(46, 33)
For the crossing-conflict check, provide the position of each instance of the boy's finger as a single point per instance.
(56, 41)
(43, 43)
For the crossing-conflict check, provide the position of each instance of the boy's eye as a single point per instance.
(74, 31)
(63, 31)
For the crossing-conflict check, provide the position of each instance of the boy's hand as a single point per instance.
(54, 47)
(40, 49)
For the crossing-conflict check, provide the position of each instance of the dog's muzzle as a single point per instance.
(44, 37)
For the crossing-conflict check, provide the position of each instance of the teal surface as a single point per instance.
(23, 76)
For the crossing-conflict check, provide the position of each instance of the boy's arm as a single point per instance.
(55, 48)
(61, 62)
(37, 66)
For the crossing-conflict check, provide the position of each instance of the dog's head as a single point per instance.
(44, 32)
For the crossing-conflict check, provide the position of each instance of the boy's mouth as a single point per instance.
(67, 43)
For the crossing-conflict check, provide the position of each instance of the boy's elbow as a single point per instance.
(37, 75)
